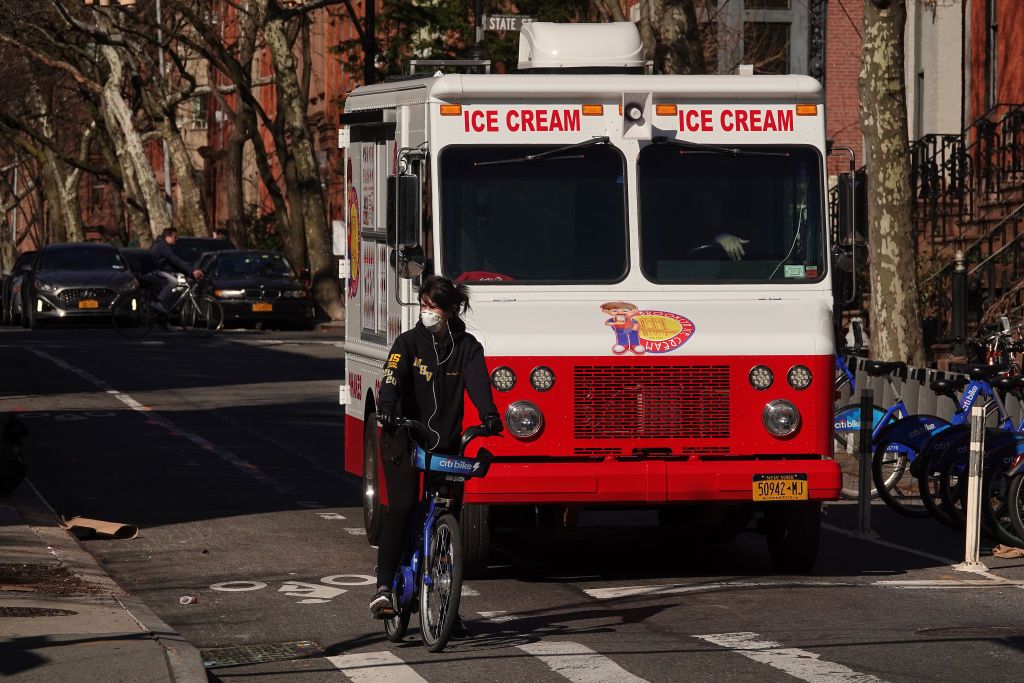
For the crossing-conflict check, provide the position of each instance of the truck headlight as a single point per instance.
(781, 418)
(523, 419)
(503, 378)
(799, 377)
(761, 377)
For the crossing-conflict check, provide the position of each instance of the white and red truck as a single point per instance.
(648, 257)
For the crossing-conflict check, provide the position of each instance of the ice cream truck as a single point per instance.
(648, 260)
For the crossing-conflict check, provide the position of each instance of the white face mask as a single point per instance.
(432, 321)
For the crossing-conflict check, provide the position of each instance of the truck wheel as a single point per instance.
(475, 521)
(794, 532)
(373, 510)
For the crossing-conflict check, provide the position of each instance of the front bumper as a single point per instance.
(52, 309)
(643, 482)
(284, 310)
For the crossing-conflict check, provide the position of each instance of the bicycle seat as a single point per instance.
(1007, 384)
(877, 368)
(948, 385)
(985, 371)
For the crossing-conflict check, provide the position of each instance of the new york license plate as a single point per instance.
(88, 303)
(771, 487)
(262, 308)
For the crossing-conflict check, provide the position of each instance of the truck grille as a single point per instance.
(651, 402)
(71, 297)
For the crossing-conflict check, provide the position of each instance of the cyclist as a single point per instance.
(425, 377)
(168, 265)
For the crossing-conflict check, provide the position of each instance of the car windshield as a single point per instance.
(709, 217)
(81, 259)
(229, 265)
(190, 250)
(557, 219)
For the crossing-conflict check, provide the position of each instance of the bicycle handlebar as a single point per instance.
(468, 435)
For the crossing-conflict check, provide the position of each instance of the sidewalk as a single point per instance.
(62, 618)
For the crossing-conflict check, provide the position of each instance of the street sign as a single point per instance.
(505, 22)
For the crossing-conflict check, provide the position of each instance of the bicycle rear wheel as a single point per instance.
(132, 315)
(1015, 503)
(894, 483)
(995, 507)
(202, 316)
(441, 587)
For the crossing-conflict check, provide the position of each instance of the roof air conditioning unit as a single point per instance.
(546, 47)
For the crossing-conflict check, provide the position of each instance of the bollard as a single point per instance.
(972, 550)
(867, 424)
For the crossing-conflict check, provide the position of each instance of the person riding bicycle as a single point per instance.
(168, 265)
(426, 374)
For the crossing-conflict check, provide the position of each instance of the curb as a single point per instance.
(184, 663)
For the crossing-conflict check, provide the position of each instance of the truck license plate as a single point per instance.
(262, 308)
(771, 487)
(88, 303)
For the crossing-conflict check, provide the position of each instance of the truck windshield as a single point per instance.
(708, 217)
(560, 218)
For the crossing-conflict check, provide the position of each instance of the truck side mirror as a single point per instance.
(403, 209)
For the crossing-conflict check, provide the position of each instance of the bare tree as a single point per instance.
(895, 319)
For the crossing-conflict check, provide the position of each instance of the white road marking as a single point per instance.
(312, 592)
(498, 617)
(356, 530)
(349, 580)
(948, 583)
(673, 588)
(468, 592)
(330, 515)
(579, 663)
(953, 564)
(807, 666)
(375, 667)
(238, 586)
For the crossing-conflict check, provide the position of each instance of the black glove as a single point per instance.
(387, 419)
(493, 424)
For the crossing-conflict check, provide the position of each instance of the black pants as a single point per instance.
(402, 481)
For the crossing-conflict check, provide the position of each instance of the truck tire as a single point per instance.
(794, 533)
(373, 510)
(475, 521)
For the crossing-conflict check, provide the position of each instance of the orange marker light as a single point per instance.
(451, 110)
(593, 109)
(806, 110)
(666, 109)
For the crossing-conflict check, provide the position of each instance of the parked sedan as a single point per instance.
(10, 291)
(76, 281)
(257, 287)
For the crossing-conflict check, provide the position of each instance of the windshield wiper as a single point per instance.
(715, 149)
(550, 154)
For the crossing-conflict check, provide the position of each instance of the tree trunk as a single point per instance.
(234, 189)
(895, 319)
(676, 47)
(191, 217)
(300, 139)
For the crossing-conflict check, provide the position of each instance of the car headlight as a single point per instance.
(229, 293)
(503, 378)
(781, 418)
(523, 419)
(45, 286)
(799, 377)
(295, 294)
(129, 286)
(761, 377)
(542, 378)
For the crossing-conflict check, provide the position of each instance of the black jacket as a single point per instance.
(166, 259)
(412, 381)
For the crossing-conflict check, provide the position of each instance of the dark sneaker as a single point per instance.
(381, 606)
(460, 631)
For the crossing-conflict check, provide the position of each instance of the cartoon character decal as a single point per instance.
(353, 234)
(640, 332)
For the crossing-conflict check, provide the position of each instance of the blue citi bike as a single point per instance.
(429, 576)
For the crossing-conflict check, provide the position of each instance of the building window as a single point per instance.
(200, 111)
(766, 4)
(992, 48)
(766, 46)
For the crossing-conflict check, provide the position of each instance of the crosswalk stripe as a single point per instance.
(807, 666)
(579, 663)
(375, 667)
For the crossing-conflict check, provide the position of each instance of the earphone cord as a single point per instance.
(433, 385)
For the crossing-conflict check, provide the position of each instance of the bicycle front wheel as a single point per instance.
(202, 316)
(442, 583)
(132, 315)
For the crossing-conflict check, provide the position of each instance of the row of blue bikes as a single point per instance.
(919, 461)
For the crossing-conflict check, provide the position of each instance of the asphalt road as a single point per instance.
(227, 455)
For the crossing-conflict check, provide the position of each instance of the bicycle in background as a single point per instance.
(199, 315)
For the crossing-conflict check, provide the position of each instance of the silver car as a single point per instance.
(76, 281)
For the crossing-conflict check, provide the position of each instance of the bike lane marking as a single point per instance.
(674, 588)
(802, 664)
(375, 667)
(579, 663)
